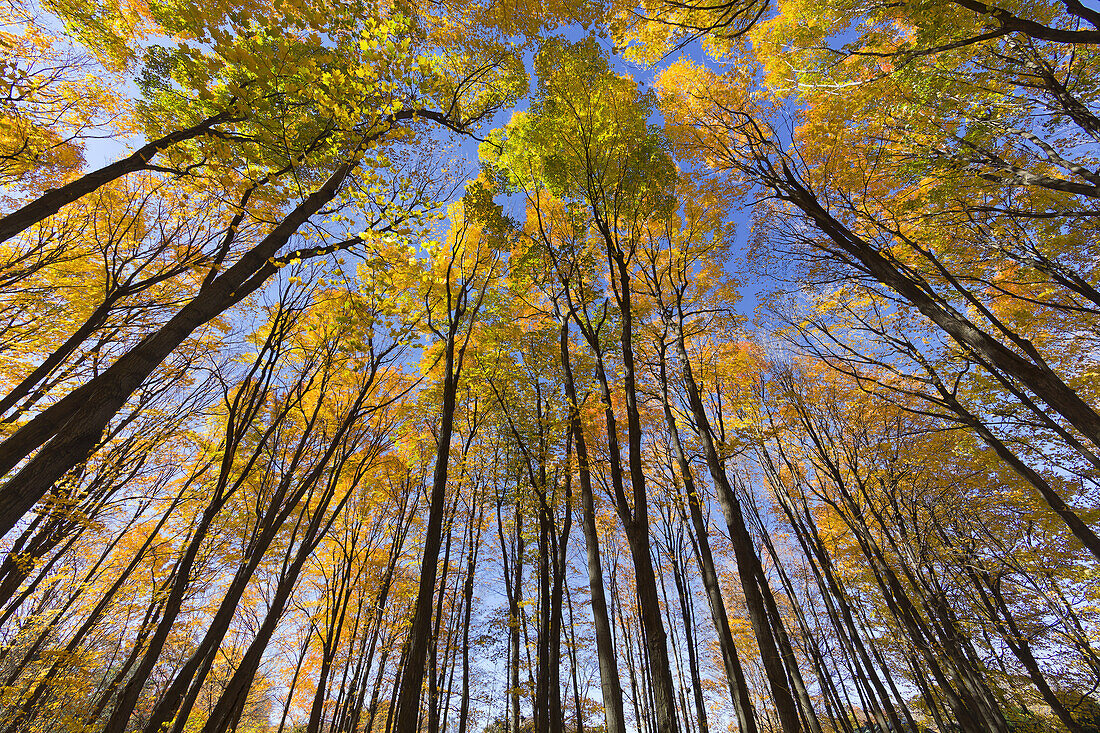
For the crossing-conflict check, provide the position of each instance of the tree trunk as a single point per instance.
(748, 562)
(614, 717)
(51, 201)
(412, 678)
(735, 675)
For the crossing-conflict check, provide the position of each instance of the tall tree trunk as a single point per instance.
(467, 614)
(578, 707)
(614, 717)
(514, 611)
(636, 520)
(735, 675)
(437, 628)
(683, 592)
(412, 677)
(560, 565)
(749, 568)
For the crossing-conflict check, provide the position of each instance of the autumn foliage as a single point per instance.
(676, 366)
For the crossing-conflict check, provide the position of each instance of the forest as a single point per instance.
(549, 366)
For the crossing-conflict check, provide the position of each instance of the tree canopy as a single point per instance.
(669, 366)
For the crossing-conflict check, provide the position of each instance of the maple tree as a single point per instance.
(305, 412)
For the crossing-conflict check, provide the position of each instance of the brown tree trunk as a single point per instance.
(748, 562)
(735, 675)
(636, 519)
(412, 678)
(51, 201)
(614, 717)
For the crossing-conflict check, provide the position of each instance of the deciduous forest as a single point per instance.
(501, 366)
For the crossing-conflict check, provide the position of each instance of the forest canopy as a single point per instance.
(672, 366)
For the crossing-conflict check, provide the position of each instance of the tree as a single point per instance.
(588, 140)
(461, 274)
(390, 92)
(911, 226)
